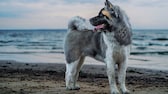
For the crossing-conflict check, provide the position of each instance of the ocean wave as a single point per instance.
(9, 41)
(32, 52)
(1, 41)
(137, 38)
(47, 47)
(149, 43)
(19, 34)
(150, 53)
(141, 48)
(161, 39)
(140, 43)
(156, 44)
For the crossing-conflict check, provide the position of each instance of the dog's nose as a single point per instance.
(93, 21)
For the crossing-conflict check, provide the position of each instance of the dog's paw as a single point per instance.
(115, 92)
(126, 92)
(73, 88)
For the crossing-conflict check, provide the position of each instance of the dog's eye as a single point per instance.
(114, 14)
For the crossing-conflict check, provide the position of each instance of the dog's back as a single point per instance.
(80, 41)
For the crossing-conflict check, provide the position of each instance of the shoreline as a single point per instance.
(36, 78)
(147, 62)
(60, 67)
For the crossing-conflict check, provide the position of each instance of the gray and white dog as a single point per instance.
(110, 45)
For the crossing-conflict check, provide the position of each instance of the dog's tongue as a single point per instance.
(99, 26)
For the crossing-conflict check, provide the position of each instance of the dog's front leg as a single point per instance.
(110, 64)
(121, 76)
(122, 67)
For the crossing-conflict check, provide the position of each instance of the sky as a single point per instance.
(55, 14)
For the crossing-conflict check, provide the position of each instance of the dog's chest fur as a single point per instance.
(114, 49)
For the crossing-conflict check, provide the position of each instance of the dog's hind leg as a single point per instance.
(72, 73)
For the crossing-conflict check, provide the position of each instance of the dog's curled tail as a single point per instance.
(79, 24)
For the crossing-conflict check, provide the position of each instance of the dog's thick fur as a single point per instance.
(111, 45)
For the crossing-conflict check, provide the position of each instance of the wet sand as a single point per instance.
(48, 78)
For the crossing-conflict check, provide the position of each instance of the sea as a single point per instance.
(37, 45)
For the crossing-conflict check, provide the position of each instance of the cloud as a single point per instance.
(56, 13)
(142, 3)
(47, 13)
(146, 13)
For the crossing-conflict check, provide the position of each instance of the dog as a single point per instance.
(109, 42)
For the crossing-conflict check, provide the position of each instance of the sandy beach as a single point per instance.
(33, 35)
(48, 78)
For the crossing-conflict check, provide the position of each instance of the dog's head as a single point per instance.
(110, 17)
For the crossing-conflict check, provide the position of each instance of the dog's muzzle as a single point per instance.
(95, 21)
(98, 21)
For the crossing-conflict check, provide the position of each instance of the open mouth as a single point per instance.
(98, 27)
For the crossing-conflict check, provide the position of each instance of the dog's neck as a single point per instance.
(122, 36)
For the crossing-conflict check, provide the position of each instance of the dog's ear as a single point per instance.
(108, 4)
